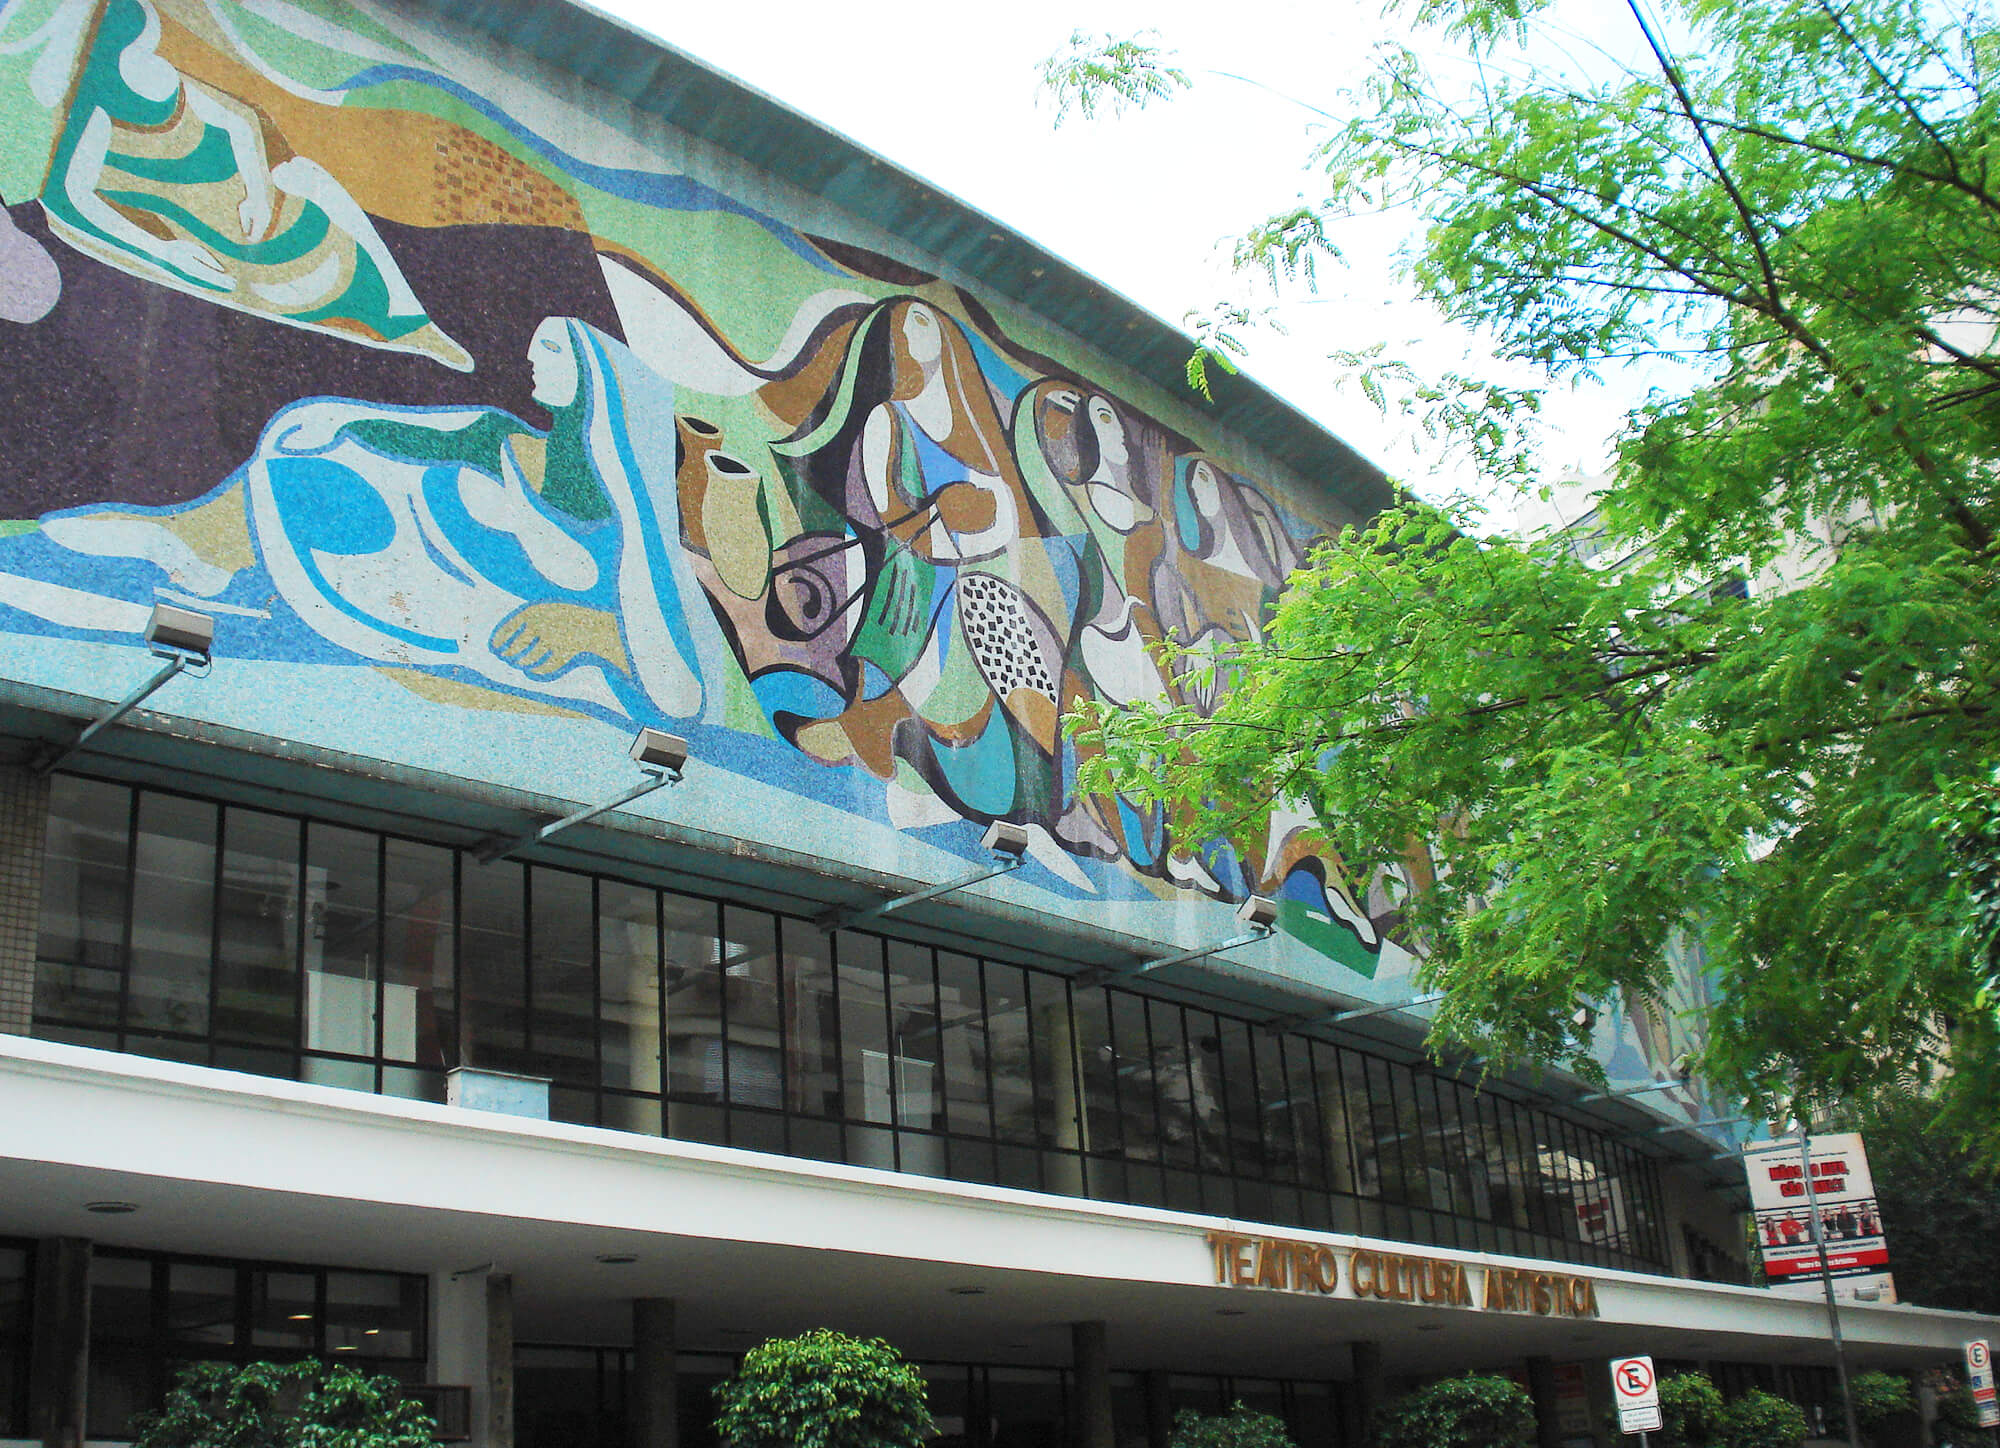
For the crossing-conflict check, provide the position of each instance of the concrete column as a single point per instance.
(655, 1408)
(458, 1341)
(1159, 1410)
(1369, 1386)
(1542, 1388)
(499, 1361)
(59, 1362)
(24, 818)
(1091, 1426)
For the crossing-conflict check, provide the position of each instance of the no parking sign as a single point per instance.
(1636, 1391)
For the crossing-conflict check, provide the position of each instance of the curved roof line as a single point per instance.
(694, 97)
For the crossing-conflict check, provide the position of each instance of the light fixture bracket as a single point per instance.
(664, 757)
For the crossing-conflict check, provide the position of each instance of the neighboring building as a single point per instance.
(500, 383)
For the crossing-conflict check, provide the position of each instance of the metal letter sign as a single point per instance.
(1637, 1394)
(1979, 1376)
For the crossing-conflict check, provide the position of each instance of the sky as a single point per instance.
(1146, 202)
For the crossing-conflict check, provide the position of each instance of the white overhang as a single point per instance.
(235, 1165)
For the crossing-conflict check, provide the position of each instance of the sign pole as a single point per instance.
(1826, 1281)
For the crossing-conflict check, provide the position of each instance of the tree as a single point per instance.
(1240, 1427)
(1879, 1399)
(292, 1405)
(1690, 1411)
(1561, 770)
(1467, 1412)
(823, 1390)
(1940, 1206)
(1760, 1420)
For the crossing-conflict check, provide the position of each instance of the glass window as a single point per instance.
(1205, 1085)
(124, 1366)
(173, 915)
(865, 1062)
(750, 1008)
(1174, 1075)
(1279, 1107)
(201, 1304)
(1056, 1102)
(1132, 1059)
(340, 939)
(628, 1005)
(563, 1031)
(493, 974)
(1343, 1102)
(419, 1004)
(284, 1310)
(918, 1094)
(812, 1022)
(258, 923)
(1302, 1096)
(375, 1314)
(693, 978)
(962, 1046)
(85, 883)
(1011, 1043)
(1097, 1064)
(14, 1341)
(1241, 1093)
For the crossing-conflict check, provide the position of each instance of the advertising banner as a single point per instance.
(1850, 1222)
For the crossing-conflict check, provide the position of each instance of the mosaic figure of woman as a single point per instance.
(462, 542)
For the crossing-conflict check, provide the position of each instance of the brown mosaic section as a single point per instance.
(474, 181)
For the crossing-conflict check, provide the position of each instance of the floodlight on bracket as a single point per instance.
(1356, 1013)
(663, 756)
(182, 637)
(1683, 1076)
(1258, 912)
(1686, 1126)
(1007, 843)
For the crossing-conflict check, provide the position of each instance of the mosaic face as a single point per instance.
(408, 370)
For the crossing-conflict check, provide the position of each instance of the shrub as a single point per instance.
(1690, 1411)
(1468, 1412)
(1957, 1423)
(823, 1390)
(1761, 1420)
(1878, 1397)
(290, 1405)
(1240, 1427)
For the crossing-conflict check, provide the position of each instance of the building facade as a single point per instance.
(494, 385)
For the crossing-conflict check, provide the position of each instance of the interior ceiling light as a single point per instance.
(300, 1317)
(111, 1209)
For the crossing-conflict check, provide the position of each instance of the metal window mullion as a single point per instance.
(1117, 1089)
(597, 1000)
(943, 1078)
(460, 1015)
(1339, 1057)
(781, 984)
(839, 1040)
(381, 961)
(723, 1040)
(1153, 1086)
(125, 926)
(661, 1044)
(1034, 1074)
(215, 927)
(986, 1065)
(526, 876)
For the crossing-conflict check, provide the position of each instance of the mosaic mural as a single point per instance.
(390, 360)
